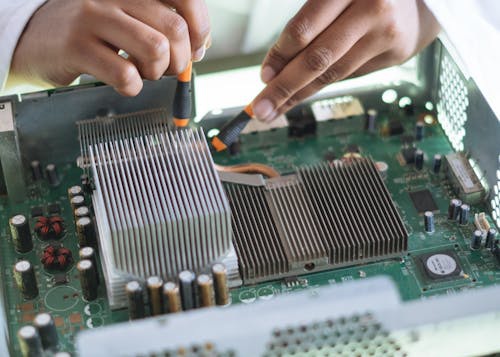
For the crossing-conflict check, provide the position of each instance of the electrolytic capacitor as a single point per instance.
(36, 170)
(82, 211)
(21, 233)
(155, 286)
(52, 175)
(454, 209)
(205, 290)
(219, 274)
(171, 297)
(429, 221)
(86, 232)
(491, 238)
(419, 131)
(476, 240)
(30, 342)
(135, 298)
(371, 120)
(464, 214)
(75, 191)
(46, 327)
(77, 201)
(89, 254)
(419, 159)
(187, 287)
(88, 280)
(436, 164)
(25, 278)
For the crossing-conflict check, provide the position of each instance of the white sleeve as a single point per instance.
(14, 15)
(473, 27)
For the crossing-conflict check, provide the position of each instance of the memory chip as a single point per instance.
(423, 201)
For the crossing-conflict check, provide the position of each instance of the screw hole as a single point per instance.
(309, 266)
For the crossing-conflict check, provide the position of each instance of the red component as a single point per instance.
(49, 227)
(56, 258)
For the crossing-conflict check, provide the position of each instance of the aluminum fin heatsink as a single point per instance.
(322, 217)
(159, 203)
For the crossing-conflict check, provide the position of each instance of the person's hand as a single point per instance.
(330, 40)
(65, 39)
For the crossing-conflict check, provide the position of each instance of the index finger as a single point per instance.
(195, 13)
(312, 19)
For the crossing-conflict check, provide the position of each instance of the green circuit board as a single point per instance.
(274, 148)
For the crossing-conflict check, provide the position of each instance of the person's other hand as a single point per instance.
(65, 39)
(330, 40)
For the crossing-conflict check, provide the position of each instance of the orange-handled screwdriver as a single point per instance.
(232, 129)
(182, 107)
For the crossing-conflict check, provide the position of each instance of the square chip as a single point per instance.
(439, 266)
(54, 208)
(423, 201)
(36, 212)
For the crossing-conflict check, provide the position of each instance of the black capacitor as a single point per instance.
(464, 214)
(52, 175)
(155, 286)
(88, 281)
(89, 254)
(24, 276)
(46, 327)
(30, 342)
(454, 209)
(82, 211)
(86, 232)
(436, 164)
(219, 274)
(429, 221)
(135, 298)
(77, 201)
(21, 233)
(419, 131)
(419, 159)
(496, 253)
(476, 240)
(36, 170)
(491, 238)
(75, 191)
(187, 280)
(371, 120)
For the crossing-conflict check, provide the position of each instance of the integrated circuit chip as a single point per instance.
(438, 266)
(36, 211)
(423, 201)
(54, 208)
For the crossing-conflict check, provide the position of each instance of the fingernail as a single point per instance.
(267, 74)
(199, 54)
(271, 117)
(208, 42)
(263, 109)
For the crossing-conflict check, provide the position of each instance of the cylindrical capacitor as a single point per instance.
(419, 159)
(77, 201)
(86, 232)
(436, 164)
(419, 131)
(29, 342)
(82, 211)
(88, 280)
(21, 233)
(476, 240)
(46, 327)
(172, 297)
(205, 290)
(135, 298)
(75, 191)
(187, 287)
(464, 214)
(371, 120)
(454, 209)
(429, 221)
(155, 286)
(52, 175)
(219, 274)
(491, 238)
(36, 170)
(89, 254)
(25, 278)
